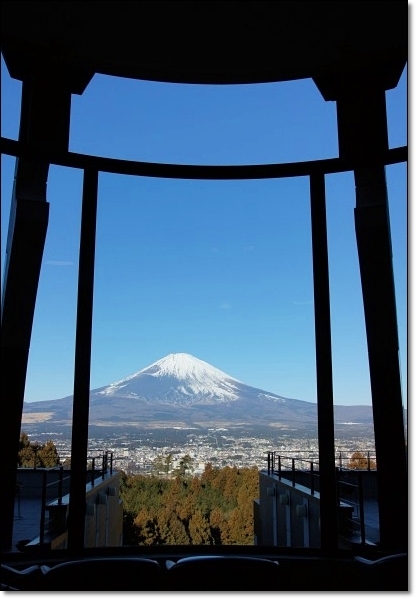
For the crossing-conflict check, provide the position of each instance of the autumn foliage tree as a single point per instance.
(215, 508)
(359, 461)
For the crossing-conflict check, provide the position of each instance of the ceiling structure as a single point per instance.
(205, 41)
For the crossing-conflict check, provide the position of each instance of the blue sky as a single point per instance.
(218, 269)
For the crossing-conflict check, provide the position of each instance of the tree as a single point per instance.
(158, 465)
(359, 461)
(26, 457)
(172, 529)
(185, 467)
(219, 527)
(35, 455)
(147, 529)
(48, 455)
(231, 483)
(213, 509)
(242, 526)
(199, 530)
(177, 532)
(168, 463)
(162, 465)
(209, 473)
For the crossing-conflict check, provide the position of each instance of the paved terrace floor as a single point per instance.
(26, 522)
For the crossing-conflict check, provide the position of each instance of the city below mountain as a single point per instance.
(181, 391)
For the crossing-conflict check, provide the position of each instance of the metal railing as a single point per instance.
(286, 466)
(350, 491)
(352, 494)
(344, 460)
(45, 486)
(106, 461)
(351, 461)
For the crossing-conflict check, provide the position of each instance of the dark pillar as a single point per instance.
(44, 124)
(374, 252)
(326, 440)
(362, 131)
(80, 412)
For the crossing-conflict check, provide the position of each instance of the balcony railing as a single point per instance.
(344, 460)
(53, 512)
(350, 482)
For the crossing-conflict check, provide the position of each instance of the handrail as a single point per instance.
(342, 458)
(189, 171)
(271, 468)
(107, 467)
(291, 469)
(358, 487)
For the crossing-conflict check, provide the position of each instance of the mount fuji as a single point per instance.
(182, 391)
(182, 380)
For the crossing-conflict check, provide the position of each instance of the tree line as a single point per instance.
(214, 508)
(172, 506)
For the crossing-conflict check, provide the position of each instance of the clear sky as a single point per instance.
(221, 270)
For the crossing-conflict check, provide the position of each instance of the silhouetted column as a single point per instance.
(44, 125)
(325, 400)
(80, 412)
(363, 139)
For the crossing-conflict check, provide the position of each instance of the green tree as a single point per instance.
(48, 455)
(32, 454)
(168, 463)
(26, 457)
(185, 467)
(162, 465)
(158, 466)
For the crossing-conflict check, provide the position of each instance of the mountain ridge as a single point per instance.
(180, 390)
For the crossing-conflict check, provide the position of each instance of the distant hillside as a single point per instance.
(182, 391)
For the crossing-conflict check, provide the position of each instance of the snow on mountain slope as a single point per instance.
(178, 378)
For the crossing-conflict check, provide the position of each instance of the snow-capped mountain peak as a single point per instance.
(185, 367)
(177, 378)
(181, 391)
